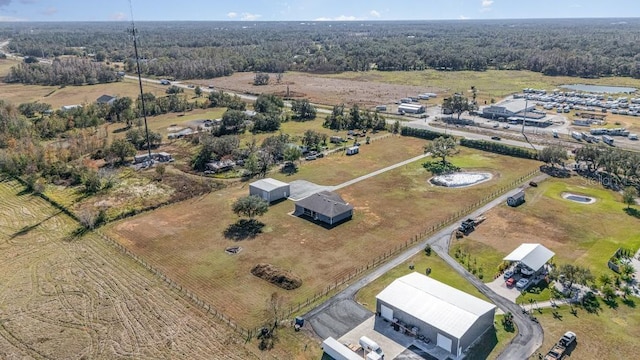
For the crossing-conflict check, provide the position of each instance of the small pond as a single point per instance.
(578, 198)
(460, 179)
(600, 88)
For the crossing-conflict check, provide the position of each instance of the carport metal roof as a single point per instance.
(437, 304)
(533, 256)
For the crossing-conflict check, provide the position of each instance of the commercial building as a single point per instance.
(427, 308)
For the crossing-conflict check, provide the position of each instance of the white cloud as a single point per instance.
(118, 16)
(338, 18)
(232, 15)
(10, 19)
(250, 17)
(374, 13)
(462, 17)
(487, 3)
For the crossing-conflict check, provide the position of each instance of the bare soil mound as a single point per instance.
(279, 277)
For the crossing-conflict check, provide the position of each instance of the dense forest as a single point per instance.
(183, 50)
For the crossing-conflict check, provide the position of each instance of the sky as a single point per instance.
(310, 10)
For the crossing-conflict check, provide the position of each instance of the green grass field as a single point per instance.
(612, 333)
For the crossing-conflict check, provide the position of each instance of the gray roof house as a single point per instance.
(325, 206)
(106, 99)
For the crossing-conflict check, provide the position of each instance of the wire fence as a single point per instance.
(250, 333)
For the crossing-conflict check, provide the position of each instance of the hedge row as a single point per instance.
(499, 148)
(422, 133)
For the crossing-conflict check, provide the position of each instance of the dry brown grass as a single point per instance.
(186, 240)
(67, 297)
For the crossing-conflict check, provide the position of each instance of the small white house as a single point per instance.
(353, 150)
(270, 189)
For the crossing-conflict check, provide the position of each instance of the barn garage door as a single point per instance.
(444, 342)
(387, 313)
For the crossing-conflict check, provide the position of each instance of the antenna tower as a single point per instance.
(134, 32)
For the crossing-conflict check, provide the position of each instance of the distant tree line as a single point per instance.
(183, 50)
(621, 166)
(354, 119)
(66, 71)
(421, 133)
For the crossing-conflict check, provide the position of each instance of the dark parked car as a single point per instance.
(495, 138)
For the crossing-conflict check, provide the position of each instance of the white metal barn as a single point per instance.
(534, 256)
(448, 317)
(269, 189)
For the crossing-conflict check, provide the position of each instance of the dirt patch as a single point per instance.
(279, 277)
(322, 90)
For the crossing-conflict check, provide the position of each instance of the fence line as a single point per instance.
(190, 296)
(372, 264)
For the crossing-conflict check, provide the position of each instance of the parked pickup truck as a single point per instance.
(559, 349)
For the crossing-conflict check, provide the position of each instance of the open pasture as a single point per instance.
(186, 240)
(64, 297)
(581, 234)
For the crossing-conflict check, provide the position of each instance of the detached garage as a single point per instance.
(427, 308)
(269, 189)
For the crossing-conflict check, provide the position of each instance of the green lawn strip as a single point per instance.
(612, 333)
(439, 271)
(477, 257)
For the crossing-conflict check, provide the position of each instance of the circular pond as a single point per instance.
(460, 179)
(578, 198)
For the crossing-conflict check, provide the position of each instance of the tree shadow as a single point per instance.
(556, 172)
(629, 302)
(25, 230)
(591, 304)
(243, 229)
(632, 212)
(611, 303)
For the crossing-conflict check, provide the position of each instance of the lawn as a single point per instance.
(612, 333)
(186, 240)
(491, 345)
(585, 235)
(338, 167)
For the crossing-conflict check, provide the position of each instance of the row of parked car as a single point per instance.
(524, 281)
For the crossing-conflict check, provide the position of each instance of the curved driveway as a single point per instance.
(530, 334)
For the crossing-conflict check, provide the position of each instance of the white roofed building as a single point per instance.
(448, 317)
(533, 256)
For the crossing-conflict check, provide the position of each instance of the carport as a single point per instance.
(534, 256)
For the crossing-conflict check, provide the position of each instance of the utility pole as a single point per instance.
(134, 33)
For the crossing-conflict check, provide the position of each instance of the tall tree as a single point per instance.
(553, 154)
(250, 206)
(629, 196)
(303, 110)
(442, 148)
(456, 104)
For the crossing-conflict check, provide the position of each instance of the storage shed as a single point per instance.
(269, 189)
(325, 206)
(448, 317)
(411, 108)
(516, 199)
(353, 150)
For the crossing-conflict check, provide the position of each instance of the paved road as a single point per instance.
(530, 334)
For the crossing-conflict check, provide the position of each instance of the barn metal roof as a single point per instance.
(268, 184)
(532, 255)
(440, 305)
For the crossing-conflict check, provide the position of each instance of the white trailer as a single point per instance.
(576, 135)
(607, 139)
(338, 351)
